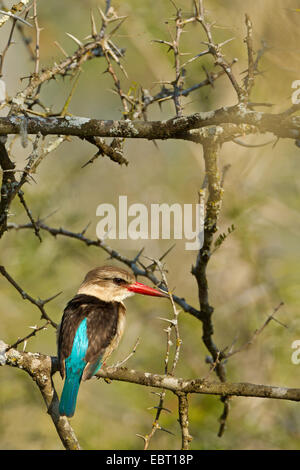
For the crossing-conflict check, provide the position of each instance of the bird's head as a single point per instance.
(112, 284)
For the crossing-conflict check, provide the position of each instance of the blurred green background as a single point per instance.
(255, 268)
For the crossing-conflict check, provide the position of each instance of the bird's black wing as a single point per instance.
(102, 321)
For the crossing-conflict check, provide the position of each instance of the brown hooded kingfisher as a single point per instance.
(92, 326)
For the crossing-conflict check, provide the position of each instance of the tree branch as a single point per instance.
(282, 125)
(131, 263)
(40, 368)
(38, 303)
(200, 386)
(37, 365)
(183, 409)
(211, 151)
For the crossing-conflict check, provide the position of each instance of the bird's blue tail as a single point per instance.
(74, 367)
(69, 394)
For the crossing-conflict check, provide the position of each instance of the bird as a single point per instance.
(92, 325)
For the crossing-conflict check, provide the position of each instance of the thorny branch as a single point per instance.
(36, 363)
(39, 303)
(35, 330)
(41, 368)
(257, 332)
(213, 208)
(205, 315)
(215, 49)
(172, 325)
(195, 127)
(183, 407)
(37, 38)
(134, 264)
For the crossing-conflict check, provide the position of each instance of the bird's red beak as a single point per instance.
(140, 288)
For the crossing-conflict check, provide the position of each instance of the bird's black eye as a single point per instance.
(119, 281)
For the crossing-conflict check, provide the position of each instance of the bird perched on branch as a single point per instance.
(92, 326)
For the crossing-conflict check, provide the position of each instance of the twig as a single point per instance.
(224, 415)
(15, 17)
(28, 212)
(215, 49)
(183, 410)
(249, 80)
(173, 323)
(37, 39)
(155, 426)
(41, 368)
(213, 207)
(177, 384)
(137, 270)
(179, 71)
(9, 42)
(30, 335)
(38, 303)
(121, 363)
(8, 185)
(256, 333)
(282, 125)
(242, 144)
(114, 150)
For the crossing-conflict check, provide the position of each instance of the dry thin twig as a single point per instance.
(37, 39)
(30, 335)
(183, 409)
(257, 332)
(39, 303)
(172, 323)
